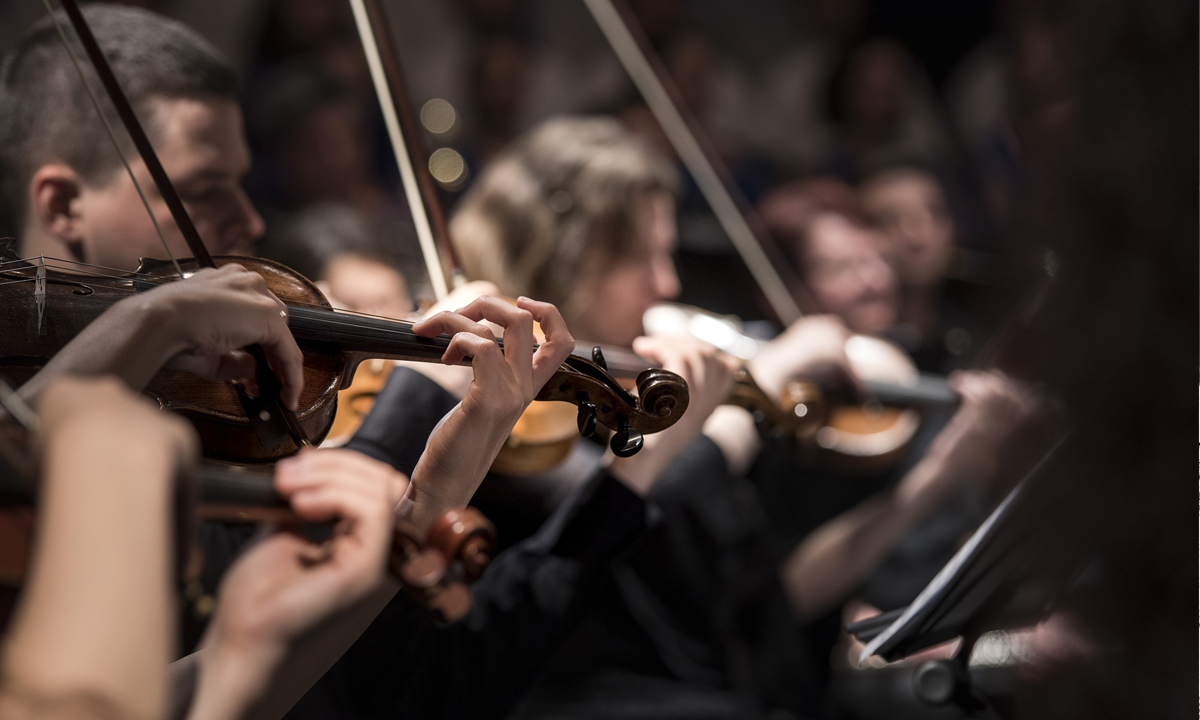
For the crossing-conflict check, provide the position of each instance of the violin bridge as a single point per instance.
(39, 292)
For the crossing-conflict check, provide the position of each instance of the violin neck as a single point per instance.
(929, 391)
(364, 337)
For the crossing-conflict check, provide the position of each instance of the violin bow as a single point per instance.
(387, 76)
(272, 421)
(698, 154)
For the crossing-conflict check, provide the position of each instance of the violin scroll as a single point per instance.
(435, 569)
(662, 397)
(467, 537)
(661, 393)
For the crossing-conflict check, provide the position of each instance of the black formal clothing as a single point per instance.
(408, 665)
(693, 623)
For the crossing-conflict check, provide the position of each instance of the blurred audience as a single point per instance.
(835, 253)
(880, 260)
(880, 109)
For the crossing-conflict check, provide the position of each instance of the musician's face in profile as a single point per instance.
(847, 275)
(203, 149)
(918, 230)
(616, 300)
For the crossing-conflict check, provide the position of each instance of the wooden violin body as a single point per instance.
(39, 316)
(41, 309)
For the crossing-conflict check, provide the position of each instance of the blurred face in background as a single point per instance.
(846, 274)
(361, 284)
(918, 231)
(615, 300)
(875, 88)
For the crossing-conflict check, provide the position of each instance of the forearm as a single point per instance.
(733, 431)
(459, 454)
(132, 341)
(835, 558)
(95, 619)
(266, 686)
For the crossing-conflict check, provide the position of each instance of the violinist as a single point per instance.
(704, 614)
(93, 631)
(63, 187)
(534, 594)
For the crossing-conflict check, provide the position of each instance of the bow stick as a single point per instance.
(388, 78)
(698, 155)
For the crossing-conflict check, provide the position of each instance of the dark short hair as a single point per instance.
(45, 113)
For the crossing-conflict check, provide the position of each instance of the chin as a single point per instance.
(875, 321)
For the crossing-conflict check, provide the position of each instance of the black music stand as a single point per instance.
(1006, 576)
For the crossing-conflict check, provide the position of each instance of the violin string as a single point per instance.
(120, 274)
(331, 317)
(336, 318)
(17, 408)
(112, 135)
(59, 263)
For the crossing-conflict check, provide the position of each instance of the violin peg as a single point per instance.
(626, 442)
(598, 357)
(423, 570)
(451, 603)
(586, 420)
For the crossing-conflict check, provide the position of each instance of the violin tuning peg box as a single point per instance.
(586, 420)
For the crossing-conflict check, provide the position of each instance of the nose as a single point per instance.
(244, 227)
(877, 276)
(666, 280)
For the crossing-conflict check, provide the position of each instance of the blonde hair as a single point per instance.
(557, 203)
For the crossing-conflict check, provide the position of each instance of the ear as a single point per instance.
(54, 203)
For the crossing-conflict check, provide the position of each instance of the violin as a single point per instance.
(46, 307)
(434, 568)
(43, 307)
(830, 425)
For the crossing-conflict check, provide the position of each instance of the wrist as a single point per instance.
(733, 431)
(768, 379)
(159, 325)
(233, 678)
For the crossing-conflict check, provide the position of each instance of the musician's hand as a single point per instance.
(454, 379)
(465, 443)
(285, 585)
(813, 347)
(994, 406)
(214, 314)
(199, 324)
(709, 374)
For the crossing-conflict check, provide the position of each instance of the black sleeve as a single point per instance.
(408, 665)
(403, 417)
